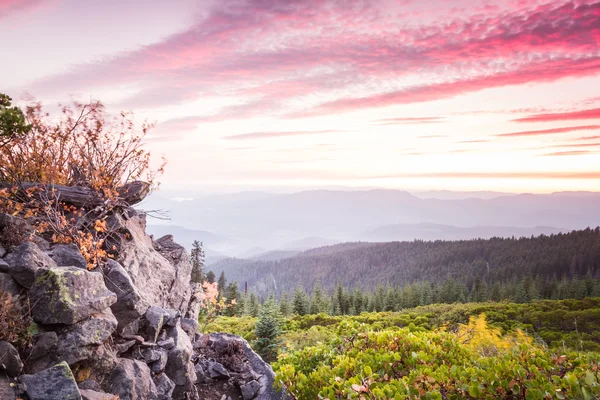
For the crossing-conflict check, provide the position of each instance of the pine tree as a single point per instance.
(197, 258)
(268, 329)
(317, 303)
(222, 283)
(210, 277)
(232, 295)
(300, 304)
(285, 308)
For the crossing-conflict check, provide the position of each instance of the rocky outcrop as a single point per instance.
(127, 329)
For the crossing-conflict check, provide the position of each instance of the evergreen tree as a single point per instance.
(284, 305)
(317, 303)
(300, 304)
(232, 295)
(210, 277)
(197, 258)
(222, 283)
(268, 329)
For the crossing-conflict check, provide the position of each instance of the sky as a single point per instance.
(411, 94)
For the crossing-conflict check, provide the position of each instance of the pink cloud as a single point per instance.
(496, 175)
(568, 153)
(264, 135)
(8, 7)
(409, 121)
(273, 51)
(593, 113)
(550, 131)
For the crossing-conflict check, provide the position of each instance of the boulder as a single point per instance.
(6, 390)
(66, 295)
(164, 387)
(87, 394)
(79, 342)
(55, 383)
(131, 380)
(10, 361)
(217, 370)
(195, 304)
(179, 366)
(8, 285)
(25, 260)
(2, 251)
(41, 243)
(155, 319)
(4, 267)
(44, 344)
(190, 326)
(159, 282)
(250, 390)
(159, 365)
(68, 255)
(130, 305)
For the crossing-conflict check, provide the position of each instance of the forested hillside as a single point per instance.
(544, 259)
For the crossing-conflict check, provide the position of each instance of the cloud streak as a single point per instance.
(593, 113)
(550, 131)
(267, 135)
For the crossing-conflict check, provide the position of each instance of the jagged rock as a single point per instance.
(250, 390)
(79, 342)
(200, 374)
(87, 394)
(55, 383)
(167, 343)
(44, 343)
(159, 282)
(217, 370)
(10, 361)
(159, 365)
(131, 380)
(89, 384)
(196, 297)
(130, 306)
(125, 346)
(173, 317)
(66, 295)
(179, 367)
(68, 255)
(4, 267)
(190, 326)
(164, 387)
(155, 319)
(8, 285)
(151, 355)
(2, 251)
(25, 260)
(220, 345)
(40, 242)
(6, 391)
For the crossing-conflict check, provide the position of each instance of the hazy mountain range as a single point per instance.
(254, 223)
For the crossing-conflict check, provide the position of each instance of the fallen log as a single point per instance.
(81, 196)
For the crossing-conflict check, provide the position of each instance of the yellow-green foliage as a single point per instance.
(241, 326)
(396, 363)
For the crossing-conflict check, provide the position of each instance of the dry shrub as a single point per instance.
(84, 147)
(14, 321)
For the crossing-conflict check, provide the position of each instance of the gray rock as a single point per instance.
(80, 341)
(195, 304)
(217, 370)
(4, 267)
(179, 367)
(89, 384)
(8, 285)
(40, 242)
(43, 344)
(10, 361)
(151, 355)
(2, 251)
(68, 255)
(6, 391)
(164, 387)
(55, 383)
(173, 317)
(66, 295)
(155, 319)
(87, 394)
(131, 380)
(160, 281)
(190, 326)
(200, 374)
(168, 343)
(262, 371)
(24, 261)
(159, 365)
(130, 305)
(250, 390)
(125, 346)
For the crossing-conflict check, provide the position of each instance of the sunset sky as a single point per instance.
(411, 94)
